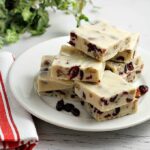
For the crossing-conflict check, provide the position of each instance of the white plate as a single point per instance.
(21, 79)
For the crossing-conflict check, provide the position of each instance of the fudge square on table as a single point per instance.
(121, 111)
(100, 41)
(129, 53)
(110, 93)
(72, 64)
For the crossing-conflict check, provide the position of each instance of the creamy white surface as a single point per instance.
(102, 34)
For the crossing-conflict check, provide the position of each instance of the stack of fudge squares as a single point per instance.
(98, 65)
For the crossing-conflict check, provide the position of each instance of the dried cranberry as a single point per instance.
(46, 62)
(68, 107)
(84, 96)
(120, 58)
(143, 89)
(128, 100)
(99, 112)
(113, 98)
(125, 92)
(73, 72)
(91, 106)
(72, 34)
(73, 96)
(75, 112)
(92, 47)
(117, 110)
(48, 92)
(82, 103)
(107, 116)
(71, 43)
(104, 101)
(130, 66)
(60, 105)
(81, 74)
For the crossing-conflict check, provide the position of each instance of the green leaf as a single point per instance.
(27, 14)
(11, 36)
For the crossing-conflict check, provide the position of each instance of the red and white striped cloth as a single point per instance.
(17, 130)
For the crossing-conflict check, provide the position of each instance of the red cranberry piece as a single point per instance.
(128, 100)
(91, 106)
(75, 112)
(82, 103)
(130, 66)
(48, 92)
(73, 72)
(46, 62)
(143, 89)
(68, 107)
(99, 112)
(60, 105)
(120, 58)
(104, 101)
(71, 43)
(81, 74)
(113, 98)
(73, 96)
(72, 34)
(92, 47)
(117, 110)
(107, 116)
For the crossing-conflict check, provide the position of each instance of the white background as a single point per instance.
(133, 15)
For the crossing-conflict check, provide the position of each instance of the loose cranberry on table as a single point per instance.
(143, 89)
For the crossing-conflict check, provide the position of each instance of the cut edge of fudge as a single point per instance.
(52, 85)
(129, 71)
(94, 46)
(129, 53)
(103, 98)
(118, 112)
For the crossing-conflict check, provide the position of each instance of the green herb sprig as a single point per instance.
(20, 16)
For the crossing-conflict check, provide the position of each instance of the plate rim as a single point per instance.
(48, 120)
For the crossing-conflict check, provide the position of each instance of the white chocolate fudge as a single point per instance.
(118, 112)
(46, 62)
(129, 71)
(72, 64)
(128, 54)
(47, 84)
(110, 93)
(100, 41)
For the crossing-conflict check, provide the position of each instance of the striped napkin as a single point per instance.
(17, 130)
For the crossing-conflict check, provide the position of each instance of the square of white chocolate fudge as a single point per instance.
(46, 62)
(129, 53)
(129, 71)
(101, 41)
(118, 112)
(110, 93)
(72, 64)
(45, 83)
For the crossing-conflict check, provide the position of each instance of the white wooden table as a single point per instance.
(132, 15)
